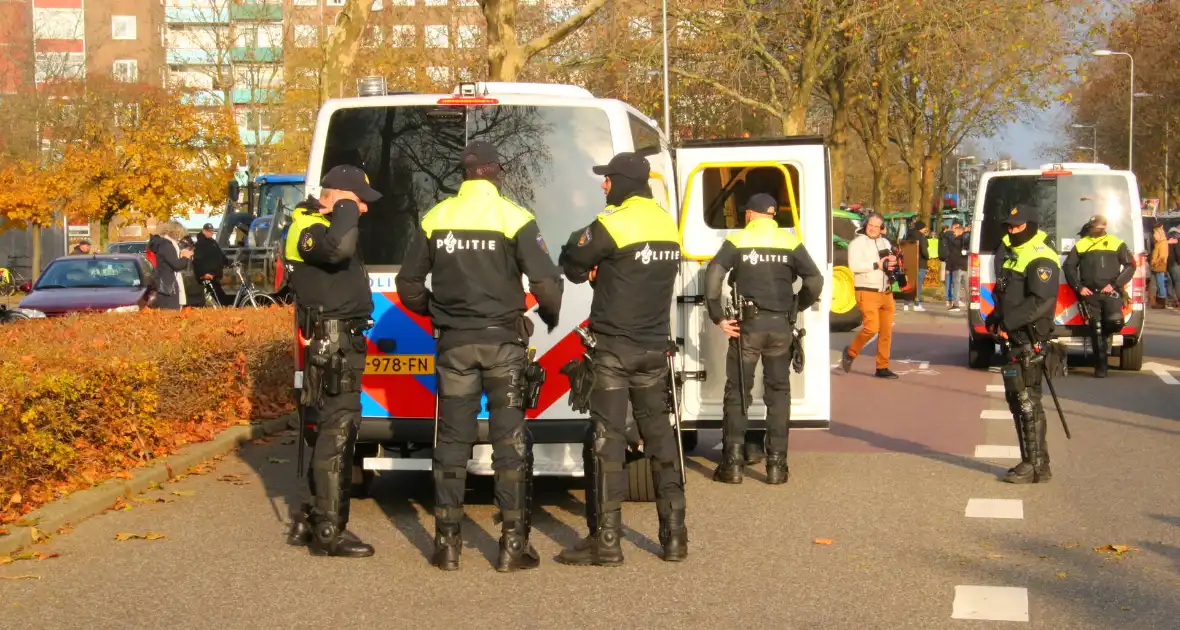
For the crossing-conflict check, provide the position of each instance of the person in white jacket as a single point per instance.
(874, 294)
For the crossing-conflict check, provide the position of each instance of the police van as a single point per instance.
(1066, 196)
(550, 136)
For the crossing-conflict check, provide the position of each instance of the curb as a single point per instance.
(92, 501)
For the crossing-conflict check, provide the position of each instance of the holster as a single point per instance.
(748, 309)
(326, 368)
(798, 358)
(534, 378)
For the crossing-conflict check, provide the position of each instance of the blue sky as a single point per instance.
(1024, 140)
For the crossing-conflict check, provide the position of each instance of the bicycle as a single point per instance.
(11, 281)
(247, 292)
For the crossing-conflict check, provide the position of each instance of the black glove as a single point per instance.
(993, 321)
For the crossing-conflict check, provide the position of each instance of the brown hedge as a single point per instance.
(85, 398)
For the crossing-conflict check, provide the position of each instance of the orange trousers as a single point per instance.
(876, 310)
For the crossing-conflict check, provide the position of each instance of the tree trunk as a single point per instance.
(838, 139)
(880, 180)
(343, 44)
(35, 263)
(929, 167)
(506, 67)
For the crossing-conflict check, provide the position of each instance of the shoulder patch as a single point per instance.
(1044, 272)
(306, 242)
(541, 243)
(585, 238)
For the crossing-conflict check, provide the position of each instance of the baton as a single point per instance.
(1056, 403)
(670, 353)
(437, 386)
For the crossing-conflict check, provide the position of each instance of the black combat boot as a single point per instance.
(1025, 471)
(1101, 355)
(516, 553)
(602, 548)
(448, 545)
(730, 470)
(776, 468)
(674, 536)
(330, 540)
(300, 533)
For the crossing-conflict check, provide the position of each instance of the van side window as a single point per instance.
(727, 189)
(647, 139)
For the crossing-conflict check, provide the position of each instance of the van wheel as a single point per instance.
(845, 314)
(641, 486)
(1131, 356)
(979, 352)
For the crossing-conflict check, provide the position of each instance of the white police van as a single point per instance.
(550, 136)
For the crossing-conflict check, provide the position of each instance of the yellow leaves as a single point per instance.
(125, 536)
(37, 535)
(27, 555)
(1061, 575)
(1117, 550)
(15, 499)
(184, 493)
(823, 541)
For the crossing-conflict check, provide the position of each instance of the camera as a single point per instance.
(897, 274)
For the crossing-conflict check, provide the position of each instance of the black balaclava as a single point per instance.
(1020, 238)
(623, 188)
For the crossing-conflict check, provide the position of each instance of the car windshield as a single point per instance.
(411, 155)
(1065, 204)
(65, 273)
(276, 198)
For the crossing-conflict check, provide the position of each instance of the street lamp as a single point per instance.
(958, 161)
(667, 111)
(1131, 115)
(1094, 138)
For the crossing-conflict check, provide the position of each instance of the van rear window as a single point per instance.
(411, 154)
(1065, 203)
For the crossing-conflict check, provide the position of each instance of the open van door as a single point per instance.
(715, 179)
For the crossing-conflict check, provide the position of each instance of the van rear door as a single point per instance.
(715, 178)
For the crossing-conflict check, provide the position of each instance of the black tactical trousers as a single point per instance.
(1028, 416)
(334, 439)
(1107, 308)
(625, 372)
(465, 372)
(767, 338)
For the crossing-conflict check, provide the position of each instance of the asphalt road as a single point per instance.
(890, 486)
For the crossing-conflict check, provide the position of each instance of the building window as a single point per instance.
(402, 3)
(306, 35)
(468, 36)
(436, 3)
(403, 35)
(377, 5)
(335, 3)
(57, 23)
(373, 36)
(306, 3)
(439, 74)
(126, 70)
(437, 36)
(122, 27)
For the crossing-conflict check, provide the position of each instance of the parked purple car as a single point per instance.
(92, 283)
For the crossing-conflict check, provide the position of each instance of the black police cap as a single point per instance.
(628, 164)
(479, 153)
(761, 203)
(1021, 214)
(352, 179)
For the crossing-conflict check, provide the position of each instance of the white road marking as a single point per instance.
(990, 603)
(995, 389)
(1161, 371)
(995, 508)
(995, 414)
(997, 451)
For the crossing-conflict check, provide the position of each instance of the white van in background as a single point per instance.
(1066, 195)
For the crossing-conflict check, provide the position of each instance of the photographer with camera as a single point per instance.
(873, 265)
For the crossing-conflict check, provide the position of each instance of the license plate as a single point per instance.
(383, 364)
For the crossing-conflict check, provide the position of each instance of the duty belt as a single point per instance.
(350, 326)
(750, 310)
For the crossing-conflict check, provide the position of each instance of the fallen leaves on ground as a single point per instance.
(155, 486)
(278, 460)
(27, 555)
(120, 504)
(65, 530)
(260, 441)
(124, 474)
(20, 577)
(234, 479)
(15, 499)
(152, 500)
(125, 536)
(184, 493)
(1061, 575)
(3, 532)
(993, 556)
(1069, 545)
(1117, 550)
(823, 541)
(37, 535)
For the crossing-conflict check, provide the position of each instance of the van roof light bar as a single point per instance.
(1056, 170)
(466, 95)
(370, 86)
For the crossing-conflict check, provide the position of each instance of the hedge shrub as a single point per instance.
(84, 398)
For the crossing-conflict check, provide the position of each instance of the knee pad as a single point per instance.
(604, 439)
(505, 392)
(512, 444)
(649, 402)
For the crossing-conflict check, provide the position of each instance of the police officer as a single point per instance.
(1026, 299)
(764, 261)
(475, 247)
(630, 254)
(1098, 267)
(333, 306)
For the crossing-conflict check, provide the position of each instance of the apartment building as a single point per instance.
(16, 44)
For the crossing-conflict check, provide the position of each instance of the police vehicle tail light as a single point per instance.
(1056, 170)
(467, 94)
(974, 279)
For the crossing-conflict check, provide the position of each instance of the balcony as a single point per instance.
(195, 57)
(256, 54)
(250, 137)
(196, 15)
(256, 12)
(204, 98)
(243, 96)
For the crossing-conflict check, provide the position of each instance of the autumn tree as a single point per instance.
(116, 149)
